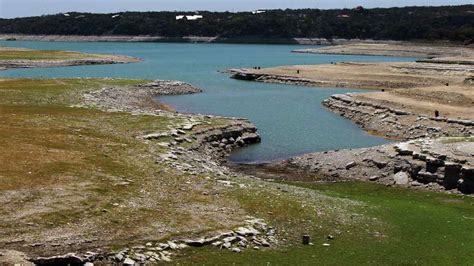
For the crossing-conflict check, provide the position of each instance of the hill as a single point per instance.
(454, 23)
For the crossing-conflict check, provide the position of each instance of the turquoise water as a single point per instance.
(290, 119)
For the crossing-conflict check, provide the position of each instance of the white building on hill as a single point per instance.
(258, 12)
(189, 17)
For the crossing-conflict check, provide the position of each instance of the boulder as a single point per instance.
(188, 126)
(350, 165)
(452, 173)
(466, 186)
(468, 172)
(247, 231)
(236, 250)
(401, 178)
(249, 138)
(195, 242)
(156, 135)
(374, 178)
(68, 259)
(427, 177)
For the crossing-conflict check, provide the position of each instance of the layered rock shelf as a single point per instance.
(435, 164)
(395, 123)
(451, 165)
(243, 74)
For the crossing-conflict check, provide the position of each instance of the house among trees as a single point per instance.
(258, 12)
(343, 16)
(189, 17)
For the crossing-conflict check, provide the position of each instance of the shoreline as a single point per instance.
(404, 110)
(203, 39)
(216, 142)
(441, 164)
(164, 39)
(11, 64)
(359, 75)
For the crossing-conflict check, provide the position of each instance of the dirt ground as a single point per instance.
(451, 101)
(368, 75)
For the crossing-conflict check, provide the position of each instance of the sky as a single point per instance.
(22, 8)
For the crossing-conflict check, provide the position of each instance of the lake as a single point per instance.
(290, 119)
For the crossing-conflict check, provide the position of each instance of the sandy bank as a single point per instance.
(361, 75)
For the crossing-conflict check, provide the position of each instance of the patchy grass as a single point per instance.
(7, 53)
(84, 172)
(408, 227)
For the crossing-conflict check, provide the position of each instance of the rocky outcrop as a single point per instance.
(253, 234)
(137, 98)
(396, 123)
(450, 165)
(469, 80)
(204, 149)
(436, 164)
(220, 141)
(245, 74)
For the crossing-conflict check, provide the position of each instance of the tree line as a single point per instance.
(455, 23)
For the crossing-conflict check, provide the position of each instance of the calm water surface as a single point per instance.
(290, 119)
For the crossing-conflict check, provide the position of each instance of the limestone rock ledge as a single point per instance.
(394, 123)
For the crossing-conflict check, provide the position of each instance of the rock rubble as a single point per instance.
(445, 164)
(254, 234)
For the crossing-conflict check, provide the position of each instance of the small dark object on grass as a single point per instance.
(306, 239)
(297, 71)
(383, 90)
(447, 84)
(436, 113)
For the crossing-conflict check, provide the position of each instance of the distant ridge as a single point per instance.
(452, 23)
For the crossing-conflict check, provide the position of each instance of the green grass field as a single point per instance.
(411, 228)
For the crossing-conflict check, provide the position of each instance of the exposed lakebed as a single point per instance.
(290, 119)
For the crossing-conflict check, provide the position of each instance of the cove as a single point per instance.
(290, 119)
